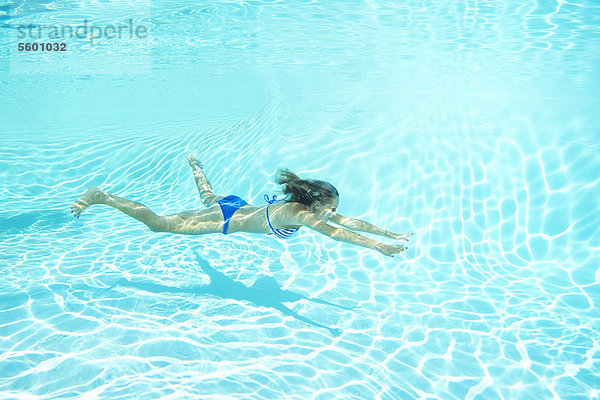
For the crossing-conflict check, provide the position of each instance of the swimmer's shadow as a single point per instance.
(264, 292)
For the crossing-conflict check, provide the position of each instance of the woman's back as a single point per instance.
(253, 219)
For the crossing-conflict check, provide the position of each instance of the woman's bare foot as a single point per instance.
(193, 161)
(87, 199)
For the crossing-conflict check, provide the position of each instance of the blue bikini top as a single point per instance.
(280, 233)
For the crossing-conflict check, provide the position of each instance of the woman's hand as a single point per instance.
(399, 236)
(390, 249)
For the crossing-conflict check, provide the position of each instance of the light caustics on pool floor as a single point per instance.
(496, 297)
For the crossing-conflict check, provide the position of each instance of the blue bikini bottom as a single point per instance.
(229, 205)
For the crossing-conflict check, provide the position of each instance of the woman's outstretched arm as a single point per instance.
(363, 226)
(344, 235)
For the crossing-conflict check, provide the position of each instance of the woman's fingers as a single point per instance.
(401, 236)
(390, 250)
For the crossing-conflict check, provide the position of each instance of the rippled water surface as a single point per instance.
(472, 124)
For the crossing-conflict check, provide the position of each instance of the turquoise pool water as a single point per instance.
(472, 124)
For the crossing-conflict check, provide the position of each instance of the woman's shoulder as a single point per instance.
(291, 214)
(296, 206)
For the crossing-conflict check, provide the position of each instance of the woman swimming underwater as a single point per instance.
(310, 203)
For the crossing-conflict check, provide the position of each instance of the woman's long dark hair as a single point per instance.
(305, 191)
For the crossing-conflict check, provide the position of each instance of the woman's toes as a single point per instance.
(78, 207)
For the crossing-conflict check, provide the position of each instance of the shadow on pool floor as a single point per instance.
(264, 292)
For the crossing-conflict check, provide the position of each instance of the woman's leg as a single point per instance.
(204, 188)
(189, 222)
(132, 208)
